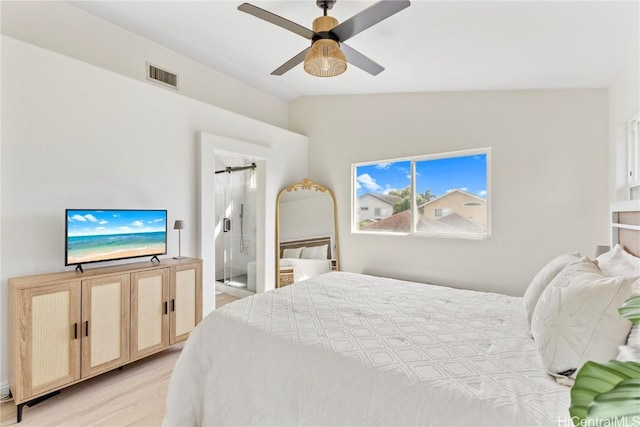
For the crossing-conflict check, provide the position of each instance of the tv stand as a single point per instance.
(64, 328)
(155, 259)
(79, 268)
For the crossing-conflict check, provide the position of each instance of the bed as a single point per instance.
(301, 259)
(350, 349)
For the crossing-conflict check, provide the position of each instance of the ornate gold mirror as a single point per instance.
(306, 232)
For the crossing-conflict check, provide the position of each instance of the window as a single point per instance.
(433, 195)
(380, 212)
(440, 212)
(364, 208)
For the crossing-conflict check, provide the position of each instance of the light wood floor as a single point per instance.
(222, 299)
(134, 396)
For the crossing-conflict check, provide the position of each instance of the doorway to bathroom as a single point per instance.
(235, 231)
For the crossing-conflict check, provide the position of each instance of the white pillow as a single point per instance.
(543, 278)
(631, 350)
(628, 353)
(292, 252)
(634, 336)
(576, 318)
(315, 252)
(618, 262)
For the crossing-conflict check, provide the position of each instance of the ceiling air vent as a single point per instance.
(164, 77)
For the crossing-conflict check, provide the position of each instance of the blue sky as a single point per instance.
(468, 173)
(93, 223)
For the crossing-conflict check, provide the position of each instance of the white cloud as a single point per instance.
(78, 218)
(91, 218)
(482, 193)
(125, 228)
(368, 182)
(100, 228)
(137, 224)
(102, 222)
(389, 190)
(155, 220)
(383, 165)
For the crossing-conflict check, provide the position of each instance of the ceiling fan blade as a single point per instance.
(291, 63)
(368, 17)
(277, 20)
(359, 60)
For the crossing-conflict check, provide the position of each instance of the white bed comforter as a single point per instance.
(350, 349)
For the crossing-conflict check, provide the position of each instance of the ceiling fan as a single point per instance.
(328, 54)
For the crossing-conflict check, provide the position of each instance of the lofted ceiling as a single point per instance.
(430, 46)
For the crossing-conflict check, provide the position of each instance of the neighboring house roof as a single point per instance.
(387, 198)
(480, 199)
(401, 223)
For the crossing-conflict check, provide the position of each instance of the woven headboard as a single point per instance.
(310, 242)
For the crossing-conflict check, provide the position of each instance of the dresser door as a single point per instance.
(186, 300)
(49, 334)
(149, 312)
(105, 323)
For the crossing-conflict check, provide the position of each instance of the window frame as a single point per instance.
(414, 208)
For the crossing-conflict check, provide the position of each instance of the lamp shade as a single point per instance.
(178, 225)
(325, 59)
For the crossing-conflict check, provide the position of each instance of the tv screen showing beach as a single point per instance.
(103, 235)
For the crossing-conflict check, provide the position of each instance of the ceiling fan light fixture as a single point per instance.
(325, 59)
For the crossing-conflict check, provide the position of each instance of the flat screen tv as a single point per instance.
(93, 235)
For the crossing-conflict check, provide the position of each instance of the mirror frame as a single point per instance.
(307, 185)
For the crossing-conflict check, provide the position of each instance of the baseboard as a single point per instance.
(4, 389)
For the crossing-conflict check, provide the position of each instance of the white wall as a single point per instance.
(549, 176)
(81, 136)
(63, 28)
(624, 103)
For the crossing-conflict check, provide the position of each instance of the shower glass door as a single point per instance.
(236, 220)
